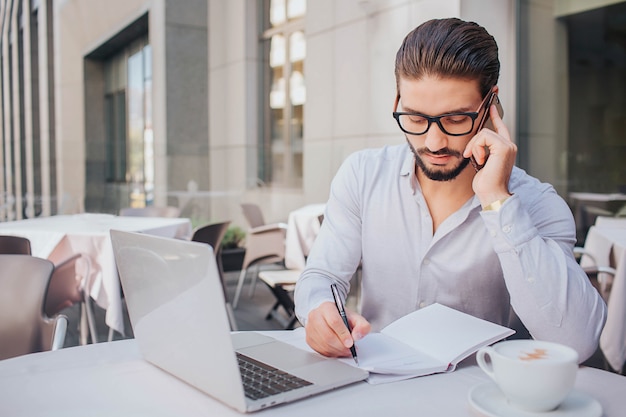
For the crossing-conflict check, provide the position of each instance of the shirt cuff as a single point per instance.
(510, 226)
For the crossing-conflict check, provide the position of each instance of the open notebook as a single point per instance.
(431, 340)
(177, 311)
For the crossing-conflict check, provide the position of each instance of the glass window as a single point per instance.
(597, 99)
(284, 92)
(128, 121)
(115, 118)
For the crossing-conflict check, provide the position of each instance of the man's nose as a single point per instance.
(436, 139)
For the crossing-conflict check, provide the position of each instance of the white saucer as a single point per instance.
(490, 401)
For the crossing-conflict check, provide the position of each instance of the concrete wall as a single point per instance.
(79, 28)
(178, 37)
(186, 62)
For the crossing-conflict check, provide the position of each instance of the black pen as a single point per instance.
(344, 317)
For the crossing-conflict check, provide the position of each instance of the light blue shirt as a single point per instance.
(478, 262)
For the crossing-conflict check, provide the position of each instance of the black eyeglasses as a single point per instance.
(453, 124)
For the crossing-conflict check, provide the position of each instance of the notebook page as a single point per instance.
(444, 333)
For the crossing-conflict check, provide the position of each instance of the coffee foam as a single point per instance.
(532, 352)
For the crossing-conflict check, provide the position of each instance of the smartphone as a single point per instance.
(485, 121)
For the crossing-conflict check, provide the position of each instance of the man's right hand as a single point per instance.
(327, 334)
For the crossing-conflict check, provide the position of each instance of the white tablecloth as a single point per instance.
(608, 247)
(302, 227)
(111, 379)
(58, 237)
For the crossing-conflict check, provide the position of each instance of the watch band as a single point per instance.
(495, 206)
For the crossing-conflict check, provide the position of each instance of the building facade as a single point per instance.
(208, 103)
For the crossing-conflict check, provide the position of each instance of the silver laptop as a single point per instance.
(177, 311)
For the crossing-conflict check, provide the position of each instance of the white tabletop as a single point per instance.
(111, 379)
(59, 237)
(302, 228)
(607, 244)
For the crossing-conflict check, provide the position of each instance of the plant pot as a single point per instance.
(232, 259)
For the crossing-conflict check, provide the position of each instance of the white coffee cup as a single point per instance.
(533, 375)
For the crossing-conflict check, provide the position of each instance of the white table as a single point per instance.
(607, 244)
(111, 379)
(302, 228)
(58, 237)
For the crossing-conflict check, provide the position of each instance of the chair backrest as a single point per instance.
(151, 211)
(613, 222)
(253, 214)
(23, 326)
(66, 284)
(14, 245)
(212, 234)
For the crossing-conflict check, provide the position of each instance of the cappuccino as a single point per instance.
(533, 375)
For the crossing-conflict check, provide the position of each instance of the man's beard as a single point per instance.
(438, 175)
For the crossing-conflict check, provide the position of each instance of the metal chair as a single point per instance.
(601, 277)
(212, 234)
(14, 245)
(24, 328)
(69, 285)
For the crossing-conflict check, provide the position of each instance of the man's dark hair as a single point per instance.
(449, 48)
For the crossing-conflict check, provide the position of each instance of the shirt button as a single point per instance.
(492, 233)
(530, 279)
(507, 228)
(426, 261)
(422, 304)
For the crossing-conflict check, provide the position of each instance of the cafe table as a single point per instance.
(112, 379)
(59, 237)
(607, 244)
(303, 225)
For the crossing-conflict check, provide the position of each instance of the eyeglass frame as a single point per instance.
(437, 119)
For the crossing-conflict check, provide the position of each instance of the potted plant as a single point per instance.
(232, 252)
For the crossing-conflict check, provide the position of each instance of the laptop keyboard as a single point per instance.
(261, 380)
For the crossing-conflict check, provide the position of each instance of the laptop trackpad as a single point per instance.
(281, 355)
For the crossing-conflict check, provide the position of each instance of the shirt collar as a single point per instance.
(408, 169)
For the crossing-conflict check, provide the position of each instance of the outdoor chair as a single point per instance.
(253, 214)
(265, 244)
(14, 245)
(24, 327)
(612, 222)
(212, 234)
(69, 285)
(601, 277)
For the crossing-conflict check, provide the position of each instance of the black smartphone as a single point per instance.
(485, 121)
